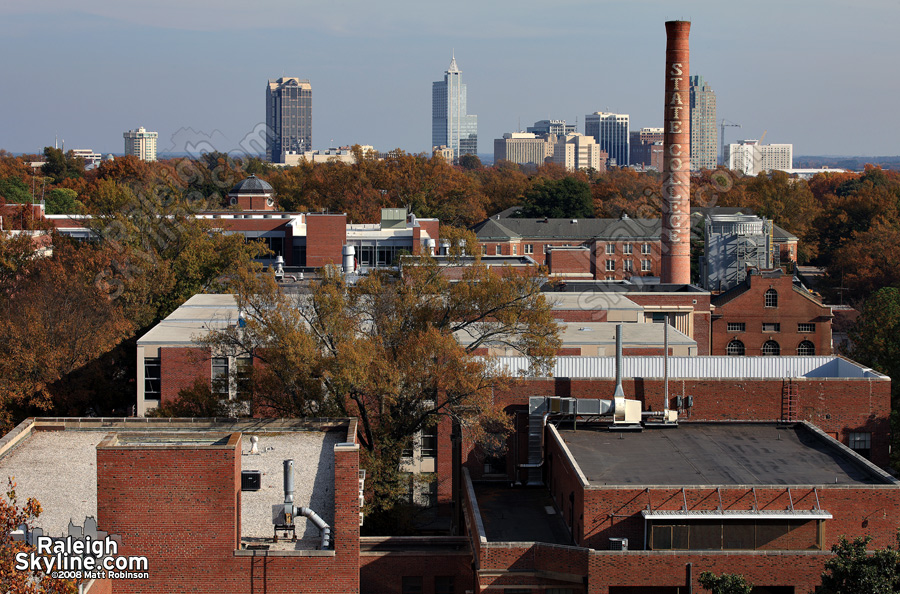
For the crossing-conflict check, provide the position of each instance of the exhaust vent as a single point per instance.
(618, 544)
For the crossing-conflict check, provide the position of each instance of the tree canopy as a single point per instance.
(385, 350)
(559, 199)
(854, 570)
(727, 583)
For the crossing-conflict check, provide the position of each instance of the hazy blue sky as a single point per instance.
(821, 74)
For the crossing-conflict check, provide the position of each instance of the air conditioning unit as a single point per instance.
(250, 480)
(618, 544)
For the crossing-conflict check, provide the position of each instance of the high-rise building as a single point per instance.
(288, 118)
(141, 143)
(558, 127)
(704, 142)
(523, 148)
(578, 151)
(451, 126)
(752, 158)
(610, 130)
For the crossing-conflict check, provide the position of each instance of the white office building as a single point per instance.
(610, 130)
(752, 158)
(141, 143)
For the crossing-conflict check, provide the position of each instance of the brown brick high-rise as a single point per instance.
(676, 210)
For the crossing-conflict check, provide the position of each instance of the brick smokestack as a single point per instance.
(676, 204)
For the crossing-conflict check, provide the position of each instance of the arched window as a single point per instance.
(771, 348)
(771, 298)
(806, 349)
(735, 348)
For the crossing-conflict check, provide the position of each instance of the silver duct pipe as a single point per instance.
(619, 393)
(290, 512)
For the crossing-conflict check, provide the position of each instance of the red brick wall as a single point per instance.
(793, 308)
(180, 507)
(326, 235)
(701, 312)
(598, 251)
(432, 228)
(837, 406)
(384, 572)
(580, 315)
(563, 261)
(180, 367)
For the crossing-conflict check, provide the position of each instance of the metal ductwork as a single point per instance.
(291, 512)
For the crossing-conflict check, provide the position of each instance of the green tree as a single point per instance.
(727, 583)
(470, 162)
(13, 189)
(398, 353)
(559, 199)
(854, 570)
(876, 334)
(62, 201)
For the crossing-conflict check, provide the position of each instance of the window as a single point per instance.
(806, 349)
(628, 265)
(735, 348)
(499, 250)
(645, 248)
(152, 375)
(514, 250)
(220, 374)
(806, 328)
(772, 327)
(645, 265)
(244, 367)
(529, 248)
(736, 326)
(771, 349)
(626, 248)
(860, 442)
(610, 248)
(429, 442)
(771, 298)
(484, 250)
(443, 584)
(411, 584)
(610, 265)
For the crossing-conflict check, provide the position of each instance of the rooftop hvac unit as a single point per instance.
(618, 544)
(250, 480)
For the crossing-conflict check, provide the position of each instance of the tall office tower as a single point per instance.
(610, 130)
(451, 126)
(558, 127)
(704, 142)
(141, 144)
(288, 118)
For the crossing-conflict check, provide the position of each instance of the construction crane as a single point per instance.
(730, 124)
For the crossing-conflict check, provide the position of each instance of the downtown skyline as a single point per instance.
(373, 70)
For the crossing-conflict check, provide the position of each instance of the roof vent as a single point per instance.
(574, 221)
(618, 544)
(251, 480)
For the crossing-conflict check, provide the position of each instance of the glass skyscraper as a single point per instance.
(704, 143)
(288, 118)
(451, 126)
(611, 131)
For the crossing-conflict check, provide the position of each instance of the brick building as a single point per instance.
(175, 491)
(770, 314)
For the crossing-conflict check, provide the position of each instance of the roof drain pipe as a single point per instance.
(290, 511)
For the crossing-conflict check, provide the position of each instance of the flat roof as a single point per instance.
(633, 334)
(193, 319)
(520, 515)
(58, 467)
(718, 454)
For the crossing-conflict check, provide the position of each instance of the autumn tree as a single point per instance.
(727, 583)
(397, 352)
(14, 581)
(854, 570)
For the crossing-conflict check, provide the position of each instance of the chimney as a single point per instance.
(676, 204)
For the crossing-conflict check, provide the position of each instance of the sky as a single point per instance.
(819, 74)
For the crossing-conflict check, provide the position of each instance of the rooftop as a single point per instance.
(193, 319)
(701, 454)
(55, 462)
(519, 515)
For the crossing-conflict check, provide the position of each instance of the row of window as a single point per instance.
(221, 379)
(628, 265)
(770, 348)
(528, 248)
(803, 328)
